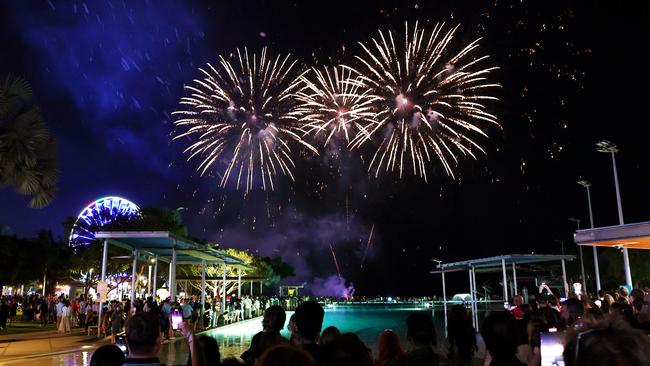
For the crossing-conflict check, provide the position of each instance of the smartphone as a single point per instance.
(551, 349)
(120, 342)
(177, 319)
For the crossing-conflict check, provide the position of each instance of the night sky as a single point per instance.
(107, 75)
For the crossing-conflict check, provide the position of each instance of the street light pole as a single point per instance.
(609, 147)
(582, 258)
(585, 183)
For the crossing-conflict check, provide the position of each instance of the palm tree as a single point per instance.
(27, 151)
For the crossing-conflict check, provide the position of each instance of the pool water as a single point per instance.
(366, 322)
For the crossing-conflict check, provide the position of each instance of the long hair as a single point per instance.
(390, 347)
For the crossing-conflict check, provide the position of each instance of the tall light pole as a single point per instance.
(609, 147)
(585, 183)
(582, 258)
(565, 285)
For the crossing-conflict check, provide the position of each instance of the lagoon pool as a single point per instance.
(366, 321)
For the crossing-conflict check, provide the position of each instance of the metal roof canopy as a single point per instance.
(497, 262)
(631, 236)
(162, 244)
(481, 265)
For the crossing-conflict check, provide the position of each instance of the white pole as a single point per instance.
(251, 287)
(471, 292)
(566, 285)
(101, 304)
(626, 258)
(475, 300)
(595, 249)
(582, 268)
(155, 277)
(202, 290)
(223, 288)
(172, 275)
(505, 280)
(149, 282)
(134, 275)
(239, 283)
(514, 278)
(444, 299)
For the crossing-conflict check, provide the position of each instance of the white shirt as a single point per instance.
(59, 306)
(65, 311)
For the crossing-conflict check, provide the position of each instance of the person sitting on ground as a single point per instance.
(272, 324)
(309, 321)
(421, 334)
(608, 341)
(107, 355)
(464, 345)
(329, 335)
(500, 335)
(390, 349)
(143, 339)
(285, 354)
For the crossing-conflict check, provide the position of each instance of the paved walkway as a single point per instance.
(35, 344)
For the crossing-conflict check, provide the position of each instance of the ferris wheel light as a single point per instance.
(99, 214)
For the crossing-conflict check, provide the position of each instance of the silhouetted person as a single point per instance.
(107, 355)
(309, 321)
(329, 335)
(272, 324)
(143, 339)
(390, 349)
(422, 336)
(285, 354)
(500, 335)
(608, 341)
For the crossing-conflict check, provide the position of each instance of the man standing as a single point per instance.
(143, 339)
(43, 311)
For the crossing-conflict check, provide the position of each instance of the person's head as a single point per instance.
(208, 350)
(285, 354)
(623, 292)
(460, 330)
(500, 334)
(107, 355)
(552, 300)
(274, 318)
(329, 335)
(518, 300)
(348, 350)
(143, 335)
(636, 294)
(389, 345)
(420, 330)
(608, 341)
(309, 320)
(572, 310)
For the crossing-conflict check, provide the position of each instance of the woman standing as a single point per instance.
(64, 325)
(116, 322)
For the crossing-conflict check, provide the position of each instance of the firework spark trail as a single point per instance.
(334, 105)
(336, 262)
(365, 252)
(428, 105)
(242, 112)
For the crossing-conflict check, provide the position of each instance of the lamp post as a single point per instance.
(585, 183)
(582, 258)
(609, 147)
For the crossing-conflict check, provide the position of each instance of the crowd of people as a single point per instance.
(610, 330)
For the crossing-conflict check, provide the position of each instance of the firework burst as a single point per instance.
(429, 106)
(240, 117)
(334, 105)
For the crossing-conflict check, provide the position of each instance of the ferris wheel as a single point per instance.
(98, 215)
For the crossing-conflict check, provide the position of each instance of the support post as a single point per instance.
(134, 275)
(475, 300)
(202, 291)
(251, 287)
(149, 281)
(172, 275)
(155, 277)
(471, 293)
(505, 280)
(103, 278)
(566, 285)
(595, 249)
(261, 289)
(514, 279)
(582, 268)
(444, 299)
(223, 289)
(239, 283)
